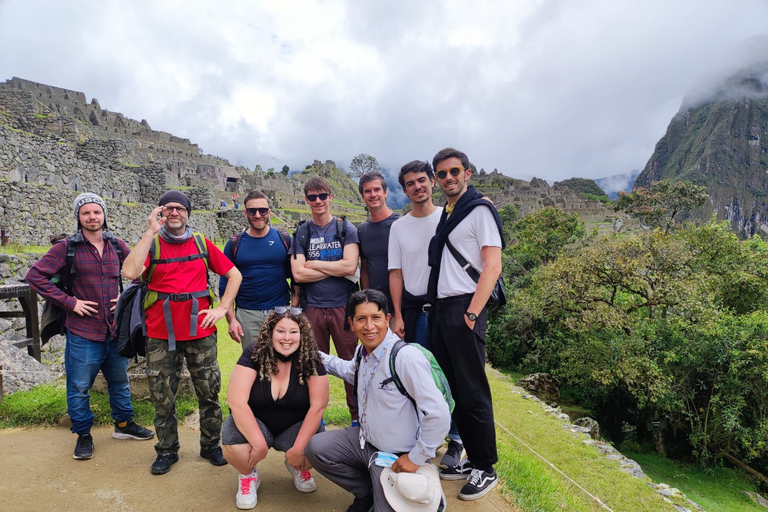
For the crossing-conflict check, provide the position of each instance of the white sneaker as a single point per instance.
(246, 492)
(302, 479)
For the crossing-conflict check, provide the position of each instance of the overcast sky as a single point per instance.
(553, 89)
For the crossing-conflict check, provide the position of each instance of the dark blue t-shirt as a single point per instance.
(262, 263)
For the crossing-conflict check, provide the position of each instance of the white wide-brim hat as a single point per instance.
(407, 492)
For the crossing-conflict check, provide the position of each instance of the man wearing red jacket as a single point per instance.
(181, 323)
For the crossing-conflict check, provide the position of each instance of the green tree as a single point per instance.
(668, 327)
(660, 205)
(285, 170)
(362, 164)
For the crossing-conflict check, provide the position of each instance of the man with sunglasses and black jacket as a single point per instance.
(459, 318)
(260, 253)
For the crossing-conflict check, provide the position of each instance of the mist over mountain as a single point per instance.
(719, 139)
(618, 182)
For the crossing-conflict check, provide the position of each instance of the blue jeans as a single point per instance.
(421, 336)
(83, 359)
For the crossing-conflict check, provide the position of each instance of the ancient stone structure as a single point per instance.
(529, 197)
(55, 144)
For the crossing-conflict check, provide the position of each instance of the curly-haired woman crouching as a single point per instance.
(277, 395)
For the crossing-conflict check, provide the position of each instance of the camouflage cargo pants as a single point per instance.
(163, 374)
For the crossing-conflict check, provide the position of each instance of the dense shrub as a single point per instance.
(663, 330)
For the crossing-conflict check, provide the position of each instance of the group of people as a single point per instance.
(284, 298)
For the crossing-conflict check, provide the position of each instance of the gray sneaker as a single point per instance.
(132, 431)
(453, 454)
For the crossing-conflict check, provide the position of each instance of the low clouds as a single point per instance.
(534, 88)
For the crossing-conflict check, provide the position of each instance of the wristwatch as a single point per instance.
(472, 317)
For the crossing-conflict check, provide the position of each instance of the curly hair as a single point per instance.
(264, 354)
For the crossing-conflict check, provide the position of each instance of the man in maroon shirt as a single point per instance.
(90, 296)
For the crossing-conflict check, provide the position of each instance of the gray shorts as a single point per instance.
(251, 320)
(281, 442)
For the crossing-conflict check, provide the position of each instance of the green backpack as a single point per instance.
(437, 374)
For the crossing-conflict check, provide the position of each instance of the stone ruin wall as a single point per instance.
(26, 207)
(28, 158)
(532, 196)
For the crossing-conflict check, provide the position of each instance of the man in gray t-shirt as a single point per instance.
(374, 234)
(326, 272)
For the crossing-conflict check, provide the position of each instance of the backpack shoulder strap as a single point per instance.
(304, 233)
(286, 238)
(202, 249)
(116, 245)
(341, 231)
(71, 272)
(358, 358)
(154, 256)
(395, 378)
(234, 245)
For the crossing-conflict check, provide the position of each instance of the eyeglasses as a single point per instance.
(253, 211)
(455, 171)
(281, 310)
(180, 209)
(313, 197)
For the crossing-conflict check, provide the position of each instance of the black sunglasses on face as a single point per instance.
(253, 211)
(313, 197)
(455, 171)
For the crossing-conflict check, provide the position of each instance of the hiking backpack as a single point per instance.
(437, 374)
(235, 244)
(130, 322)
(53, 317)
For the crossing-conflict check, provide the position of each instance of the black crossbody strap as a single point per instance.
(468, 268)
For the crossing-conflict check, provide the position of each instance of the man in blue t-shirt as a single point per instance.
(261, 256)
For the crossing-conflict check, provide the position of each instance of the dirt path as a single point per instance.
(37, 472)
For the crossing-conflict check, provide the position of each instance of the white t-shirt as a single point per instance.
(476, 231)
(408, 246)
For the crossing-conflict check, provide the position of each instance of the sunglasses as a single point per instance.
(455, 171)
(180, 209)
(253, 211)
(281, 310)
(313, 197)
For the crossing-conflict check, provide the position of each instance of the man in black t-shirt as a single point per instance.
(374, 234)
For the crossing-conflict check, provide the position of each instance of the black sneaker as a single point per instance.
(458, 472)
(214, 455)
(163, 463)
(364, 504)
(132, 431)
(478, 485)
(453, 454)
(84, 447)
